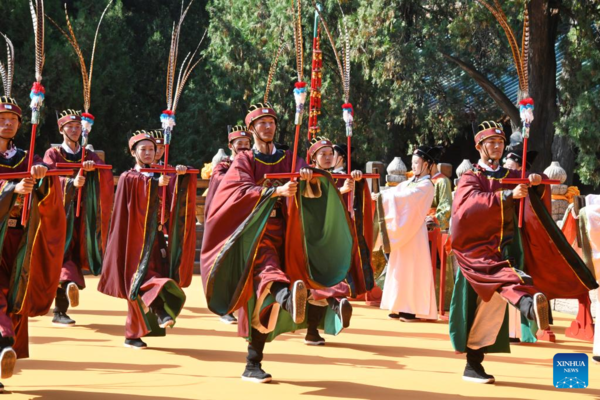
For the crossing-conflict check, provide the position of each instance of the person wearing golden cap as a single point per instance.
(86, 234)
(493, 254)
(254, 241)
(29, 269)
(138, 265)
(322, 301)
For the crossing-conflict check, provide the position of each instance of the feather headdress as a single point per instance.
(282, 45)
(520, 57)
(37, 91)
(7, 70)
(344, 69)
(87, 118)
(190, 62)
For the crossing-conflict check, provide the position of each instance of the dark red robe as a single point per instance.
(483, 224)
(138, 264)
(215, 179)
(252, 239)
(31, 255)
(87, 234)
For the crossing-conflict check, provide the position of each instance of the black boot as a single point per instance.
(293, 301)
(61, 305)
(313, 318)
(254, 372)
(535, 309)
(474, 371)
(342, 308)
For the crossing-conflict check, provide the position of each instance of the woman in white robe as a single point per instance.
(409, 288)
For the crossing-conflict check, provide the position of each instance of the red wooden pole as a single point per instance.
(523, 172)
(27, 202)
(80, 174)
(164, 192)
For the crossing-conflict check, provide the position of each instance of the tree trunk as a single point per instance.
(544, 20)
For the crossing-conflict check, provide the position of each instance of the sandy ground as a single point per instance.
(202, 358)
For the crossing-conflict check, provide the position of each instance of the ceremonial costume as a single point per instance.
(409, 288)
(237, 132)
(256, 244)
(441, 206)
(492, 254)
(87, 233)
(139, 265)
(520, 329)
(335, 297)
(31, 255)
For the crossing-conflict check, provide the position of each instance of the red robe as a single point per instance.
(361, 278)
(29, 269)
(86, 234)
(215, 179)
(483, 225)
(138, 265)
(244, 250)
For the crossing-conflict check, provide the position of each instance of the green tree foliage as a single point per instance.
(406, 86)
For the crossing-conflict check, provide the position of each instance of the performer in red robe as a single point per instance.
(321, 155)
(363, 285)
(85, 235)
(486, 244)
(256, 242)
(138, 265)
(239, 140)
(31, 255)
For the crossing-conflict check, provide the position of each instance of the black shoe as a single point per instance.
(540, 308)
(406, 317)
(474, 372)
(596, 359)
(229, 319)
(514, 340)
(1, 388)
(164, 319)
(62, 319)
(254, 373)
(137, 344)
(314, 339)
(72, 292)
(343, 309)
(393, 316)
(8, 359)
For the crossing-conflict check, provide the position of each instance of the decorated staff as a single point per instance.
(520, 59)
(37, 90)
(299, 86)
(314, 109)
(87, 119)
(347, 109)
(30, 254)
(167, 118)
